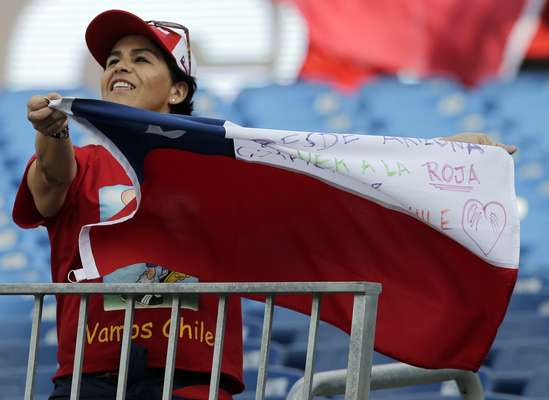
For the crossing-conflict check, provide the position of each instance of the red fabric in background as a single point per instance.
(353, 40)
(233, 221)
(539, 48)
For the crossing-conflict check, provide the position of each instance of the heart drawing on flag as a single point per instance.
(484, 224)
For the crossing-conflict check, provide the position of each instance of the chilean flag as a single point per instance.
(435, 222)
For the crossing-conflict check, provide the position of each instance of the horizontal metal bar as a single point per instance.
(394, 375)
(367, 288)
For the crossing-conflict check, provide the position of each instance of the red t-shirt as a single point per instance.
(84, 204)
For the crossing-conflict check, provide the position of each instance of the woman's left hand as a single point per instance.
(480, 138)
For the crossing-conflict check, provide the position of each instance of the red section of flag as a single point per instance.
(353, 39)
(229, 220)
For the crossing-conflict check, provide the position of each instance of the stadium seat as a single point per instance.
(12, 382)
(439, 396)
(522, 326)
(528, 301)
(14, 353)
(399, 109)
(252, 353)
(249, 395)
(17, 307)
(524, 355)
(509, 381)
(207, 104)
(21, 329)
(538, 385)
(279, 380)
(301, 106)
(251, 329)
(287, 325)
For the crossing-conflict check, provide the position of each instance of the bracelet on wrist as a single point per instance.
(62, 134)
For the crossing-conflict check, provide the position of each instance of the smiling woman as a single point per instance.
(146, 65)
(137, 75)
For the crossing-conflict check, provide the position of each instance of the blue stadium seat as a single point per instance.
(13, 379)
(14, 353)
(331, 349)
(442, 396)
(252, 353)
(21, 329)
(279, 380)
(249, 395)
(16, 306)
(287, 325)
(531, 302)
(400, 109)
(326, 334)
(301, 106)
(510, 381)
(530, 325)
(538, 386)
(251, 329)
(206, 104)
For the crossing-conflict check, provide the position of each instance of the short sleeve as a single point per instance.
(25, 214)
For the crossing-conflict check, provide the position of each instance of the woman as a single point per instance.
(146, 65)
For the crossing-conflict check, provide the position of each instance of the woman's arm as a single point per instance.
(479, 138)
(54, 169)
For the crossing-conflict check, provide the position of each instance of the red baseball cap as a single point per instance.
(110, 26)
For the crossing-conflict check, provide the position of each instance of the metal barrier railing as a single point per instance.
(394, 375)
(357, 382)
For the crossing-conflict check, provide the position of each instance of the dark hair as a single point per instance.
(186, 106)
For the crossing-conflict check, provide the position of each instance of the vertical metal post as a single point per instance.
(79, 349)
(172, 348)
(311, 346)
(265, 346)
(33, 345)
(470, 386)
(218, 347)
(361, 347)
(125, 348)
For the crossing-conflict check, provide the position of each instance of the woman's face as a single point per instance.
(136, 75)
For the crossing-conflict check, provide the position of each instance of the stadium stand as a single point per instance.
(514, 112)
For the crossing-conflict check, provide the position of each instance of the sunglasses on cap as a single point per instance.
(173, 25)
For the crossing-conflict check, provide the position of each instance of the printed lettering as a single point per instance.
(209, 338)
(116, 329)
(103, 335)
(91, 336)
(146, 330)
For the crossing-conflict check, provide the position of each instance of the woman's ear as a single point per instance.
(178, 92)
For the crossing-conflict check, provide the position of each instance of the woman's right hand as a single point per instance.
(52, 172)
(44, 119)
